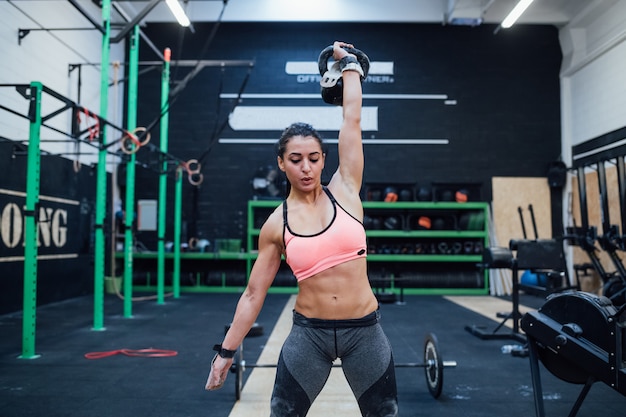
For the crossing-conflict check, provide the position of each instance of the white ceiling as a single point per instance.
(556, 12)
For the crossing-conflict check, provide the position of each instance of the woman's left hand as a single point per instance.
(219, 371)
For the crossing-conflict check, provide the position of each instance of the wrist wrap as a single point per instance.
(350, 63)
(224, 353)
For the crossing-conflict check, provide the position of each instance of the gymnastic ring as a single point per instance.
(132, 137)
(195, 178)
(148, 136)
(131, 147)
(76, 165)
(195, 164)
(193, 243)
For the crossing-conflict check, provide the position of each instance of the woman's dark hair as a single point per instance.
(297, 129)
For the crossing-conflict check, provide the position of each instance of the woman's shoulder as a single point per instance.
(273, 225)
(347, 197)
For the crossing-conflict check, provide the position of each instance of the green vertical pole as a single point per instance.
(165, 91)
(101, 180)
(133, 64)
(178, 203)
(30, 225)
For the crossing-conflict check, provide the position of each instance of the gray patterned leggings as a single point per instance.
(306, 360)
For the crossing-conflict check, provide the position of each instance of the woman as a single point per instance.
(319, 230)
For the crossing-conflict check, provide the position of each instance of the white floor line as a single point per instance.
(335, 399)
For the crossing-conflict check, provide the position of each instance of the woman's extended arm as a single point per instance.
(251, 301)
(350, 171)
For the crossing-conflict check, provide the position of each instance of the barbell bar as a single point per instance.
(433, 367)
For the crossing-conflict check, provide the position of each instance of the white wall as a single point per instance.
(45, 56)
(593, 81)
(593, 75)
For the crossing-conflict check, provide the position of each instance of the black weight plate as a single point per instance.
(434, 365)
(238, 366)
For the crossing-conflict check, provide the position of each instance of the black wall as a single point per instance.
(506, 120)
(65, 215)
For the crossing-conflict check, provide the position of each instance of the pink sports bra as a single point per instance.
(341, 241)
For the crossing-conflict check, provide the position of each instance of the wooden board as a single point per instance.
(510, 193)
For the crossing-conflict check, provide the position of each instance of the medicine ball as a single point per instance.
(529, 278)
(391, 194)
(461, 196)
(405, 195)
(374, 194)
(424, 194)
(539, 279)
(439, 224)
(423, 222)
(447, 195)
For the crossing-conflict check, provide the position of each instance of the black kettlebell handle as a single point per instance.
(327, 53)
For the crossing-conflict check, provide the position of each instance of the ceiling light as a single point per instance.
(515, 13)
(178, 12)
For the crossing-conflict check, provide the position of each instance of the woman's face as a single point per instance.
(302, 162)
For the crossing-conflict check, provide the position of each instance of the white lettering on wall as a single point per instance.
(11, 225)
(51, 227)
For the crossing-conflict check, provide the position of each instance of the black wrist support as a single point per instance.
(224, 353)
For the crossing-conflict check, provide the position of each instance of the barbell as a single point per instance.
(433, 367)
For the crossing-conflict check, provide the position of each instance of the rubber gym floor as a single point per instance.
(63, 382)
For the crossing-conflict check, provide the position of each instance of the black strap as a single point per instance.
(329, 194)
(224, 353)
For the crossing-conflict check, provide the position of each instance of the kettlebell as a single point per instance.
(334, 94)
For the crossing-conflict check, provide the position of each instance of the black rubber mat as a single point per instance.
(62, 382)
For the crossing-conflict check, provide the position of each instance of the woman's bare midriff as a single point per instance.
(339, 293)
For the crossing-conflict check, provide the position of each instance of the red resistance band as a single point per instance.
(94, 130)
(142, 353)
